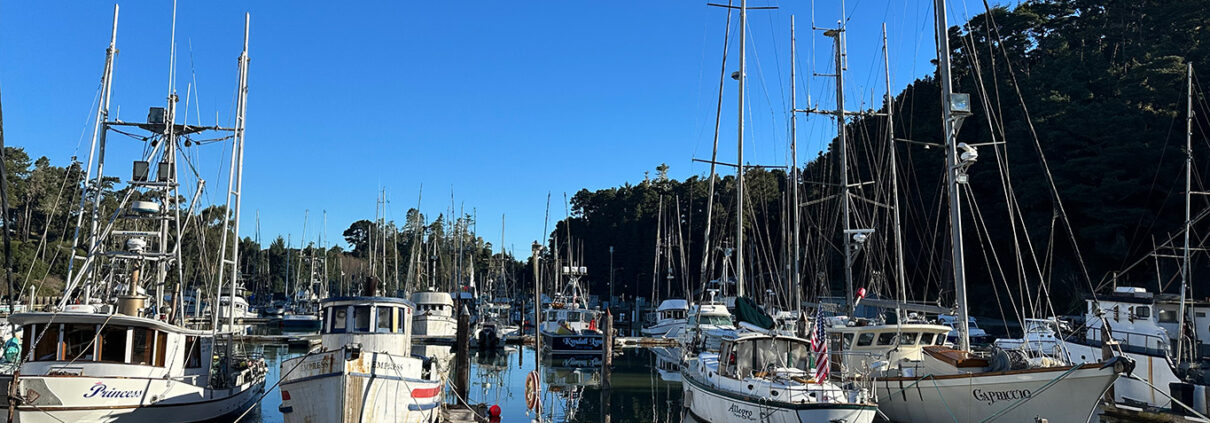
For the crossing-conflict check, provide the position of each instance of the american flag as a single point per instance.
(819, 346)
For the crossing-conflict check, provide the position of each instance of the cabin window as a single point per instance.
(1142, 312)
(1167, 316)
(340, 321)
(886, 338)
(78, 342)
(865, 339)
(848, 341)
(141, 347)
(361, 318)
(161, 348)
(908, 338)
(940, 340)
(926, 338)
(193, 352)
(47, 347)
(573, 317)
(726, 365)
(743, 359)
(385, 319)
(113, 344)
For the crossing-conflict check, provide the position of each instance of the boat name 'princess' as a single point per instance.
(992, 396)
(104, 392)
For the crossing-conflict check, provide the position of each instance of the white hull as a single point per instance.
(66, 399)
(1155, 370)
(662, 328)
(717, 407)
(373, 387)
(1019, 396)
(434, 326)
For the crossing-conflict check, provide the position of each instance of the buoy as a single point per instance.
(494, 411)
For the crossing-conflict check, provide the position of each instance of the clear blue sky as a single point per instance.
(499, 102)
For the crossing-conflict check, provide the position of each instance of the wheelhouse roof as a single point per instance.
(673, 304)
(339, 301)
(23, 319)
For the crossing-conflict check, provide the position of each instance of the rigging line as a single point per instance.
(1042, 156)
(984, 236)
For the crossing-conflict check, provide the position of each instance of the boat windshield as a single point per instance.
(710, 320)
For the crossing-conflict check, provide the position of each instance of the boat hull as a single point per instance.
(573, 343)
(1060, 394)
(347, 386)
(1151, 369)
(60, 399)
(717, 406)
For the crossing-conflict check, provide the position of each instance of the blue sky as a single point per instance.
(497, 102)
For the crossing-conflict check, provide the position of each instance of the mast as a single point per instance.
(237, 168)
(98, 139)
(842, 142)
(739, 161)
(900, 273)
(796, 269)
(954, 169)
(1180, 340)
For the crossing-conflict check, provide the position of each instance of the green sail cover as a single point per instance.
(747, 311)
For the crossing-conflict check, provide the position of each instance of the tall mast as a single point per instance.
(1180, 343)
(739, 161)
(900, 274)
(953, 171)
(795, 269)
(92, 186)
(236, 183)
(842, 142)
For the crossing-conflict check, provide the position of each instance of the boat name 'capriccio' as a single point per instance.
(991, 397)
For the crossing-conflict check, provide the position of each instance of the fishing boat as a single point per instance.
(114, 349)
(568, 325)
(434, 318)
(974, 333)
(670, 315)
(364, 369)
(494, 326)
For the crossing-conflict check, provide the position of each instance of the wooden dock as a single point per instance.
(460, 413)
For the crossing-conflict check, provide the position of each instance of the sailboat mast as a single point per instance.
(900, 273)
(739, 161)
(951, 173)
(842, 142)
(795, 270)
(1180, 343)
(237, 166)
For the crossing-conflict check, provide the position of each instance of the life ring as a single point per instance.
(531, 390)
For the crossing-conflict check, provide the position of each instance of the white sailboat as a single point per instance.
(954, 384)
(758, 376)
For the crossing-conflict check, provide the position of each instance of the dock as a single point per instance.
(300, 340)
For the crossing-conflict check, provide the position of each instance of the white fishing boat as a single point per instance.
(568, 326)
(434, 317)
(974, 333)
(364, 370)
(114, 349)
(670, 315)
(1040, 337)
(494, 327)
(93, 367)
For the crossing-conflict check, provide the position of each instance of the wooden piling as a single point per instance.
(462, 366)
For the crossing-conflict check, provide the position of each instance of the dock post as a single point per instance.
(462, 366)
(606, 369)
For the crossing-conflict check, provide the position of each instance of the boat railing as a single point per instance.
(1133, 342)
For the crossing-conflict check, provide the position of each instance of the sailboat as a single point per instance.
(133, 359)
(954, 384)
(760, 375)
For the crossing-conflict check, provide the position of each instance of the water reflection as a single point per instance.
(645, 386)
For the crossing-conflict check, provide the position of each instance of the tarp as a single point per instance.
(747, 311)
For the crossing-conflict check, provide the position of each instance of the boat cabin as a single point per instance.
(94, 344)
(763, 355)
(380, 324)
(867, 345)
(675, 309)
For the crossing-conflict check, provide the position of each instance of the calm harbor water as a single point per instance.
(572, 387)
